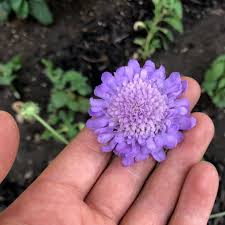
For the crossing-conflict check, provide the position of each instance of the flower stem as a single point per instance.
(50, 129)
(148, 48)
(217, 215)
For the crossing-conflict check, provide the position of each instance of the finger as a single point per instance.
(197, 196)
(78, 165)
(9, 141)
(193, 91)
(158, 198)
(118, 186)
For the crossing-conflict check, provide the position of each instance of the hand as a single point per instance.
(83, 186)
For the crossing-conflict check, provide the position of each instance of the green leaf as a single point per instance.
(74, 106)
(221, 58)
(6, 81)
(7, 70)
(178, 9)
(164, 42)
(71, 131)
(215, 72)
(77, 82)
(149, 25)
(83, 104)
(20, 7)
(15, 63)
(46, 135)
(79, 105)
(16, 4)
(40, 11)
(59, 99)
(53, 119)
(219, 99)
(139, 41)
(156, 2)
(167, 33)
(54, 75)
(47, 63)
(209, 87)
(175, 23)
(5, 10)
(155, 43)
(214, 81)
(221, 83)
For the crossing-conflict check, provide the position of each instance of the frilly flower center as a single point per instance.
(138, 109)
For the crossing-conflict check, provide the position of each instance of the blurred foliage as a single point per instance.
(8, 73)
(38, 9)
(214, 81)
(167, 14)
(68, 99)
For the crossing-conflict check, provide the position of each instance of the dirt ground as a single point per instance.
(96, 35)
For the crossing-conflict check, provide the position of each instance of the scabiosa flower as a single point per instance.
(138, 112)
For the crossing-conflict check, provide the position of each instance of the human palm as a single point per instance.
(84, 186)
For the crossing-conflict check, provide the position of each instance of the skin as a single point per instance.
(84, 186)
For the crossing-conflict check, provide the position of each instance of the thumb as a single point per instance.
(9, 141)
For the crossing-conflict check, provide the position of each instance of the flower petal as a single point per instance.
(109, 147)
(97, 123)
(149, 66)
(184, 85)
(103, 130)
(173, 85)
(186, 123)
(129, 72)
(159, 155)
(127, 161)
(150, 143)
(134, 65)
(95, 114)
(181, 102)
(170, 140)
(159, 73)
(102, 91)
(108, 79)
(105, 137)
(144, 74)
(141, 157)
(121, 76)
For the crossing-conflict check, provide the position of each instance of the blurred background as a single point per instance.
(52, 54)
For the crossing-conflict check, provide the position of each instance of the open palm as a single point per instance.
(84, 186)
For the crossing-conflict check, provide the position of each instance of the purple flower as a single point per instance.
(137, 112)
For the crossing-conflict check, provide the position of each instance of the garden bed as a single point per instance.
(93, 36)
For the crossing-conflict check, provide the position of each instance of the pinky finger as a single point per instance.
(197, 196)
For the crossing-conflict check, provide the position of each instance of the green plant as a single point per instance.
(38, 9)
(214, 81)
(68, 99)
(8, 73)
(167, 14)
(30, 111)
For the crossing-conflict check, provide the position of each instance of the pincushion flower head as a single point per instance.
(139, 113)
